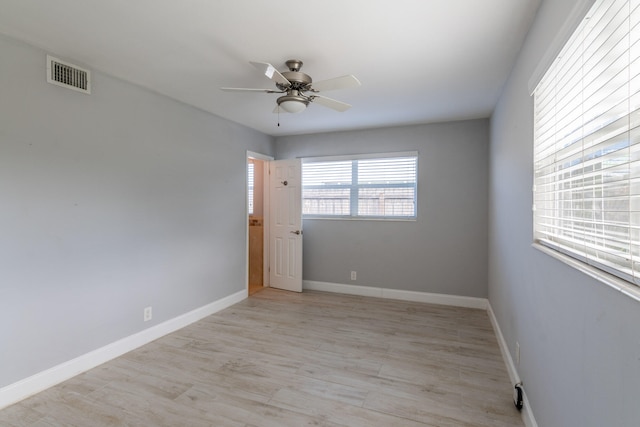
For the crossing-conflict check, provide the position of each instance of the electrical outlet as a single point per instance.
(517, 353)
(354, 275)
(148, 314)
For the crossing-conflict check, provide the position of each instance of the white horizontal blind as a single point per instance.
(250, 186)
(382, 187)
(326, 188)
(587, 143)
(387, 187)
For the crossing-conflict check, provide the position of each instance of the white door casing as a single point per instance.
(285, 225)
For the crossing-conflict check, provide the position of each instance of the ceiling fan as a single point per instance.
(299, 88)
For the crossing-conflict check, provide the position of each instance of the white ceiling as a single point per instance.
(419, 61)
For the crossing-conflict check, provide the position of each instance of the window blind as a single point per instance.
(250, 185)
(375, 187)
(587, 143)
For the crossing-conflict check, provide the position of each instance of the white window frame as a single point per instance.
(354, 186)
(587, 257)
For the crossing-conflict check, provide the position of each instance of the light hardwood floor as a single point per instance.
(287, 359)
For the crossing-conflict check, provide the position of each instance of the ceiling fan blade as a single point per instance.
(242, 89)
(331, 103)
(344, 82)
(271, 72)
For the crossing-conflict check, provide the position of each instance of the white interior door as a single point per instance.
(285, 240)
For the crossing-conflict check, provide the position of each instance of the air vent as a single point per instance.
(68, 75)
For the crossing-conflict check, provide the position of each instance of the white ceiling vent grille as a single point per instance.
(68, 75)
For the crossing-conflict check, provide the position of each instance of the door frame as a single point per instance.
(265, 217)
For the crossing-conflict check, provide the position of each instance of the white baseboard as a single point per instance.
(442, 299)
(527, 412)
(22, 389)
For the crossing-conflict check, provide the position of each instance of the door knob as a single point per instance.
(298, 232)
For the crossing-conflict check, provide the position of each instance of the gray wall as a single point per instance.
(579, 339)
(445, 250)
(109, 203)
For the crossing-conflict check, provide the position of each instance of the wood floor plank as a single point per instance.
(288, 359)
(340, 413)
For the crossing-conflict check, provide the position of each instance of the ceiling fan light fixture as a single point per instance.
(293, 106)
(293, 103)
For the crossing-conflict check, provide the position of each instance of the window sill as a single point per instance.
(616, 283)
(347, 218)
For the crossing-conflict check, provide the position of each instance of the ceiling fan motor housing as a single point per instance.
(299, 81)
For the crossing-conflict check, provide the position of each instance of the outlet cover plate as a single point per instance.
(148, 314)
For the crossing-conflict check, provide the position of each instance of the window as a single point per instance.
(250, 180)
(380, 186)
(587, 143)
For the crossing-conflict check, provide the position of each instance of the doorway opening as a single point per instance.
(274, 223)
(257, 222)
